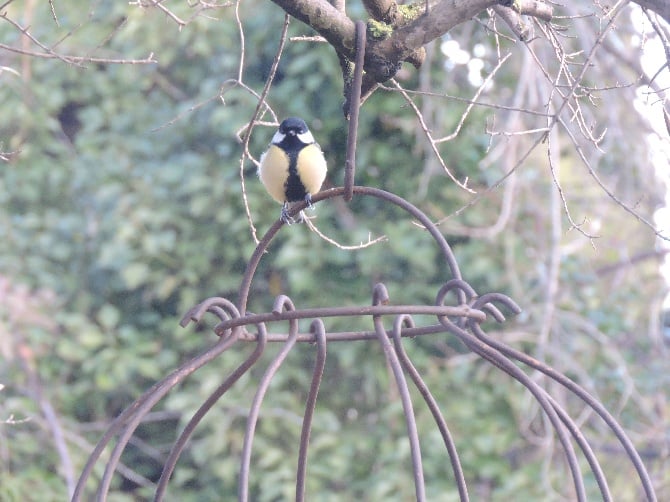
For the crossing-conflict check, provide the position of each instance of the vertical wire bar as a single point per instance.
(380, 296)
(432, 405)
(412, 432)
(252, 419)
(320, 333)
(183, 438)
(354, 106)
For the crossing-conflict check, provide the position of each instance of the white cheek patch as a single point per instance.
(306, 138)
(278, 138)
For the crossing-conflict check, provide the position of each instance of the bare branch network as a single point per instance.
(553, 88)
(400, 33)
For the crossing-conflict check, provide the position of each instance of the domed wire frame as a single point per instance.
(463, 319)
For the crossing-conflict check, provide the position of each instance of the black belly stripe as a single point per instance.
(293, 187)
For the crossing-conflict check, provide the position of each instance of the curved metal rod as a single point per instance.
(183, 438)
(579, 438)
(348, 336)
(556, 415)
(586, 448)
(407, 321)
(282, 302)
(576, 389)
(157, 393)
(485, 302)
(465, 294)
(354, 106)
(380, 294)
(131, 416)
(217, 305)
(250, 271)
(319, 331)
(310, 313)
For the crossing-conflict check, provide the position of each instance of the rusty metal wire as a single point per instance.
(462, 319)
(354, 99)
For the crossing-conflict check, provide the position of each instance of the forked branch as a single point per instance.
(398, 33)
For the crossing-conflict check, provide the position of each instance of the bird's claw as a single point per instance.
(300, 217)
(285, 217)
(308, 199)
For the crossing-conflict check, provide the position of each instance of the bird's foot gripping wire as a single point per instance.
(308, 199)
(300, 217)
(285, 217)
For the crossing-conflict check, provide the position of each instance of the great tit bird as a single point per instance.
(293, 167)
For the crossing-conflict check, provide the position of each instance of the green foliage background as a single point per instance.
(123, 208)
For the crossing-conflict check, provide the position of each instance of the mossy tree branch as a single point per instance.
(397, 33)
(411, 27)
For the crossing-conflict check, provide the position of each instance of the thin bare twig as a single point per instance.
(554, 176)
(426, 130)
(159, 4)
(602, 185)
(493, 106)
(77, 60)
(483, 194)
(362, 245)
(261, 107)
(53, 13)
(481, 88)
(49, 53)
(8, 156)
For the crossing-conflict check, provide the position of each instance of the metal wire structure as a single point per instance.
(462, 319)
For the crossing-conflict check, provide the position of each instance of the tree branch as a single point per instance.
(514, 21)
(331, 23)
(442, 17)
(656, 254)
(660, 7)
(380, 9)
(397, 33)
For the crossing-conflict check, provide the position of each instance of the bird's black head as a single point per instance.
(293, 126)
